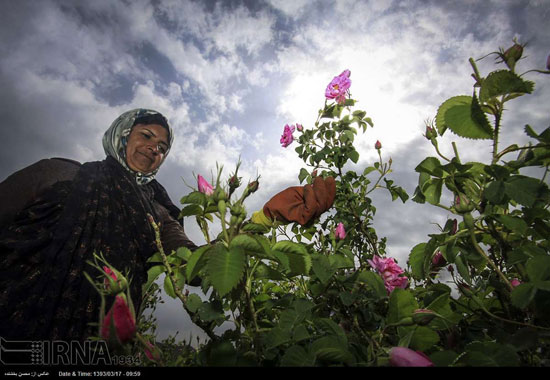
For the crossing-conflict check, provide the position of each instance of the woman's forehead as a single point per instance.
(157, 129)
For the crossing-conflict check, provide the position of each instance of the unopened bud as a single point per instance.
(423, 316)
(114, 282)
(234, 182)
(378, 145)
(512, 55)
(314, 173)
(430, 132)
(438, 260)
(463, 204)
(454, 228)
(299, 127)
(253, 186)
(219, 194)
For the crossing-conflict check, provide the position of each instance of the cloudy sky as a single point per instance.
(230, 74)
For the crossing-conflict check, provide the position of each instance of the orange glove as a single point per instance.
(302, 204)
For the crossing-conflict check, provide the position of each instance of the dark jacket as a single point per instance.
(55, 214)
(25, 185)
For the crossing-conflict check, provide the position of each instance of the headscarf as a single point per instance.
(115, 138)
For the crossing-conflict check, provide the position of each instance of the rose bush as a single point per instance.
(322, 294)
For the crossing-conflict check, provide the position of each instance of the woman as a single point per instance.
(58, 212)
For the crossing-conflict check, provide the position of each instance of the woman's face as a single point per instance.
(146, 147)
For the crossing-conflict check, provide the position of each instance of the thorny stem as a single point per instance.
(491, 262)
(172, 277)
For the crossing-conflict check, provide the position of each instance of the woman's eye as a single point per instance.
(146, 136)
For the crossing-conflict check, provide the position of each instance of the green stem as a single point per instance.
(491, 262)
(173, 280)
(498, 116)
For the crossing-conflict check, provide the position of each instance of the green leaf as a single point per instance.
(418, 261)
(462, 267)
(211, 311)
(402, 304)
(465, 121)
(193, 302)
(152, 274)
(299, 260)
(523, 294)
(330, 349)
(184, 253)
(423, 338)
(354, 156)
(495, 192)
(432, 190)
(277, 336)
(538, 268)
(490, 354)
(255, 228)
(303, 174)
(190, 210)
(322, 268)
(512, 223)
(440, 122)
(374, 282)
(248, 243)
(430, 165)
(503, 82)
(523, 190)
(297, 356)
(225, 268)
(169, 287)
(194, 197)
(196, 262)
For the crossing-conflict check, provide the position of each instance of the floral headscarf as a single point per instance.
(116, 138)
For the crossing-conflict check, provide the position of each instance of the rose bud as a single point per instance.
(430, 132)
(405, 357)
(423, 316)
(152, 352)
(515, 282)
(463, 204)
(299, 127)
(253, 186)
(378, 145)
(120, 318)
(204, 186)
(512, 55)
(438, 260)
(340, 232)
(114, 281)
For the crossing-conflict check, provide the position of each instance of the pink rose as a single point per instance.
(340, 231)
(204, 186)
(390, 271)
(515, 282)
(287, 138)
(405, 357)
(378, 145)
(123, 320)
(338, 87)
